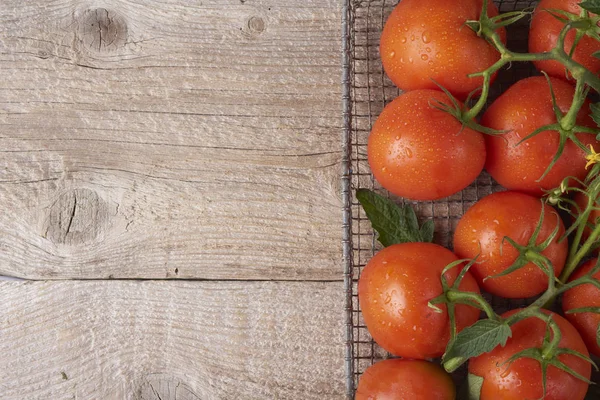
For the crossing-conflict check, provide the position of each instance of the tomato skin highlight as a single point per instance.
(394, 290)
(396, 379)
(421, 153)
(522, 380)
(482, 229)
(584, 296)
(522, 109)
(545, 30)
(428, 40)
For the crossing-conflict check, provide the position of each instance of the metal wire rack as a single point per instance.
(366, 91)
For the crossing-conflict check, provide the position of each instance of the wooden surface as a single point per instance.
(165, 139)
(161, 139)
(197, 340)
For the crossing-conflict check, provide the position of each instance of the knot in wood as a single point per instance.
(256, 25)
(77, 217)
(165, 387)
(102, 31)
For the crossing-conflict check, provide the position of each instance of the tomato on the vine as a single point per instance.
(394, 290)
(521, 110)
(425, 40)
(482, 229)
(422, 153)
(581, 296)
(544, 33)
(397, 379)
(522, 379)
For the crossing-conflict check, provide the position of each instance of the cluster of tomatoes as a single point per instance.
(418, 151)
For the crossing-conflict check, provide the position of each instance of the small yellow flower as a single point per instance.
(592, 158)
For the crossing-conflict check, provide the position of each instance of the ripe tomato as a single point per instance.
(523, 108)
(584, 296)
(522, 380)
(393, 291)
(419, 152)
(544, 33)
(482, 229)
(425, 40)
(582, 201)
(405, 379)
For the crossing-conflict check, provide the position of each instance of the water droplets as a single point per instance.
(392, 54)
(426, 38)
(397, 137)
(428, 49)
(438, 56)
(424, 57)
(410, 60)
(403, 40)
(412, 38)
(388, 299)
(408, 153)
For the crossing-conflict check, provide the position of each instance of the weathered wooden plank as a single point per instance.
(166, 139)
(171, 340)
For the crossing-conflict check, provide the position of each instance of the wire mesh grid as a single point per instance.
(366, 91)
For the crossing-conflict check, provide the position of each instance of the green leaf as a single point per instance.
(394, 224)
(427, 231)
(471, 389)
(592, 6)
(596, 54)
(481, 337)
(595, 107)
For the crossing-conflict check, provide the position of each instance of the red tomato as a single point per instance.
(522, 380)
(482, 229)
(544, 33)
(584, 296)
(405, 379)
(582, 201)
(419, 152)
(425, 40)
(523, 108)
(393, 291)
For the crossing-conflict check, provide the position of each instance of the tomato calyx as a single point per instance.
(461, 113)
(549, 352)
(585, 24)
(531, 252)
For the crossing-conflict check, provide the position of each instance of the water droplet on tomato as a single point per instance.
(397, 137)
(412, 37)
(410, 60)
(392, 54)
(426, 38)
(428, 49)
(383, 169)
(409, 153)
(403, 40)
(424, 57)
(438, 55)
(388, 298)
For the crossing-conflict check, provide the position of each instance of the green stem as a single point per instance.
(456, 296)
(569, 121)
(580, 254)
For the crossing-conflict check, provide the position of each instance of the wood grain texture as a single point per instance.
(170, 139)
(171, 340)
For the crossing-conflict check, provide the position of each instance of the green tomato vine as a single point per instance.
(486, 334)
